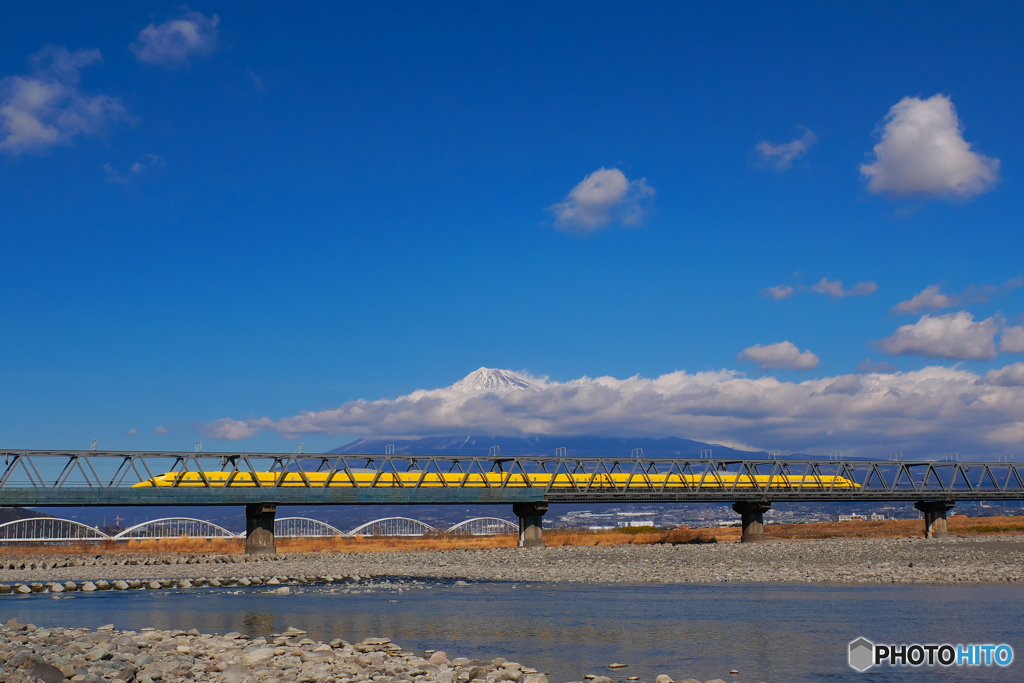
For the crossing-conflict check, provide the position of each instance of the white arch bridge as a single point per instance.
(52, 529)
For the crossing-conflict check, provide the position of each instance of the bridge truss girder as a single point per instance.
(64, 478)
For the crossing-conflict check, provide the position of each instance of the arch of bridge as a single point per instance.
(286, 527)
(179, 526)
(484, 526)
(413, 527)
(53, 528)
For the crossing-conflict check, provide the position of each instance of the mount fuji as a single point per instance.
(490, 379)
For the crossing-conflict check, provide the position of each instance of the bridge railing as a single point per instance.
(551, 478)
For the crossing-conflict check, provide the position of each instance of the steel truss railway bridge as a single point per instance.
(261, 481)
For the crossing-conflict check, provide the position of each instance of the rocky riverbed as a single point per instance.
(954, 560)
(54, 655)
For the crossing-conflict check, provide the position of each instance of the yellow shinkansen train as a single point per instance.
(582, 480)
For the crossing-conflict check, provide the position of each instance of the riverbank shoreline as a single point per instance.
(29, 653)
(997, 559)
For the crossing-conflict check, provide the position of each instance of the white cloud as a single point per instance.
(932, 297)
(148, 161)
(254, 78)
(1008, 376)
(173, 42)
(782, 355)
(846, 384)
(782, 155)
(835, 288)
(923, 152)
(604, 196)
(778, 292)
(227, 428)
(46, 107)
(1012, 340)
(131, 432)
(953, 335)
(161, 430)
(924, 412)
(113, 176)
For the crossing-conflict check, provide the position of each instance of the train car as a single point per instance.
(618, 481)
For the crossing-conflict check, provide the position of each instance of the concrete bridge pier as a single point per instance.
(531, 523)
(752, 513)
(935, 517)
(259, 528)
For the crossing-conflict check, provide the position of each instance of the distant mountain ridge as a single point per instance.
(579, 446)
(14, 514)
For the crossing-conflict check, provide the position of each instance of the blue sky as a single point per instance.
(231, 211)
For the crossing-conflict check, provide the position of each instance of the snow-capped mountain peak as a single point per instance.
(490, 379)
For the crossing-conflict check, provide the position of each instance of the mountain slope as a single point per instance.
(579, 446)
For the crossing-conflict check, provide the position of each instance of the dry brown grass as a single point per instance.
(361, 544)
(958, 526)
(561, 537)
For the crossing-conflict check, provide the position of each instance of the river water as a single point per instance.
(769, 632)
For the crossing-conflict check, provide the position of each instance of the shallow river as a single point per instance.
(769, 632)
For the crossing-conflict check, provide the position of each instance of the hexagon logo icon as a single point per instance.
(862, 653)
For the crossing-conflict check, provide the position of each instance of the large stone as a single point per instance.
(317, 656)
(438, 658)
(478, 672)
(88, 586)
(22, 588)
(235, 673)
(121, 585)
(536, 678)
(70, 586)
(98, 654)
(260, 654)
(663, 679)
(48, 673)
(56, 588)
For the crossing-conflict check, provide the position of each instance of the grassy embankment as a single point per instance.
(958, 526)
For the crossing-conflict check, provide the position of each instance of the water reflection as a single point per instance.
(768, 632)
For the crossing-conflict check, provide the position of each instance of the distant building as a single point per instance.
(646, 522)
(846, 518)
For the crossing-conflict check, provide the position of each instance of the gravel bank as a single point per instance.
(53, 655)
(955, 560)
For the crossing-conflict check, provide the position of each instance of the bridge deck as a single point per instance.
(92, 478)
